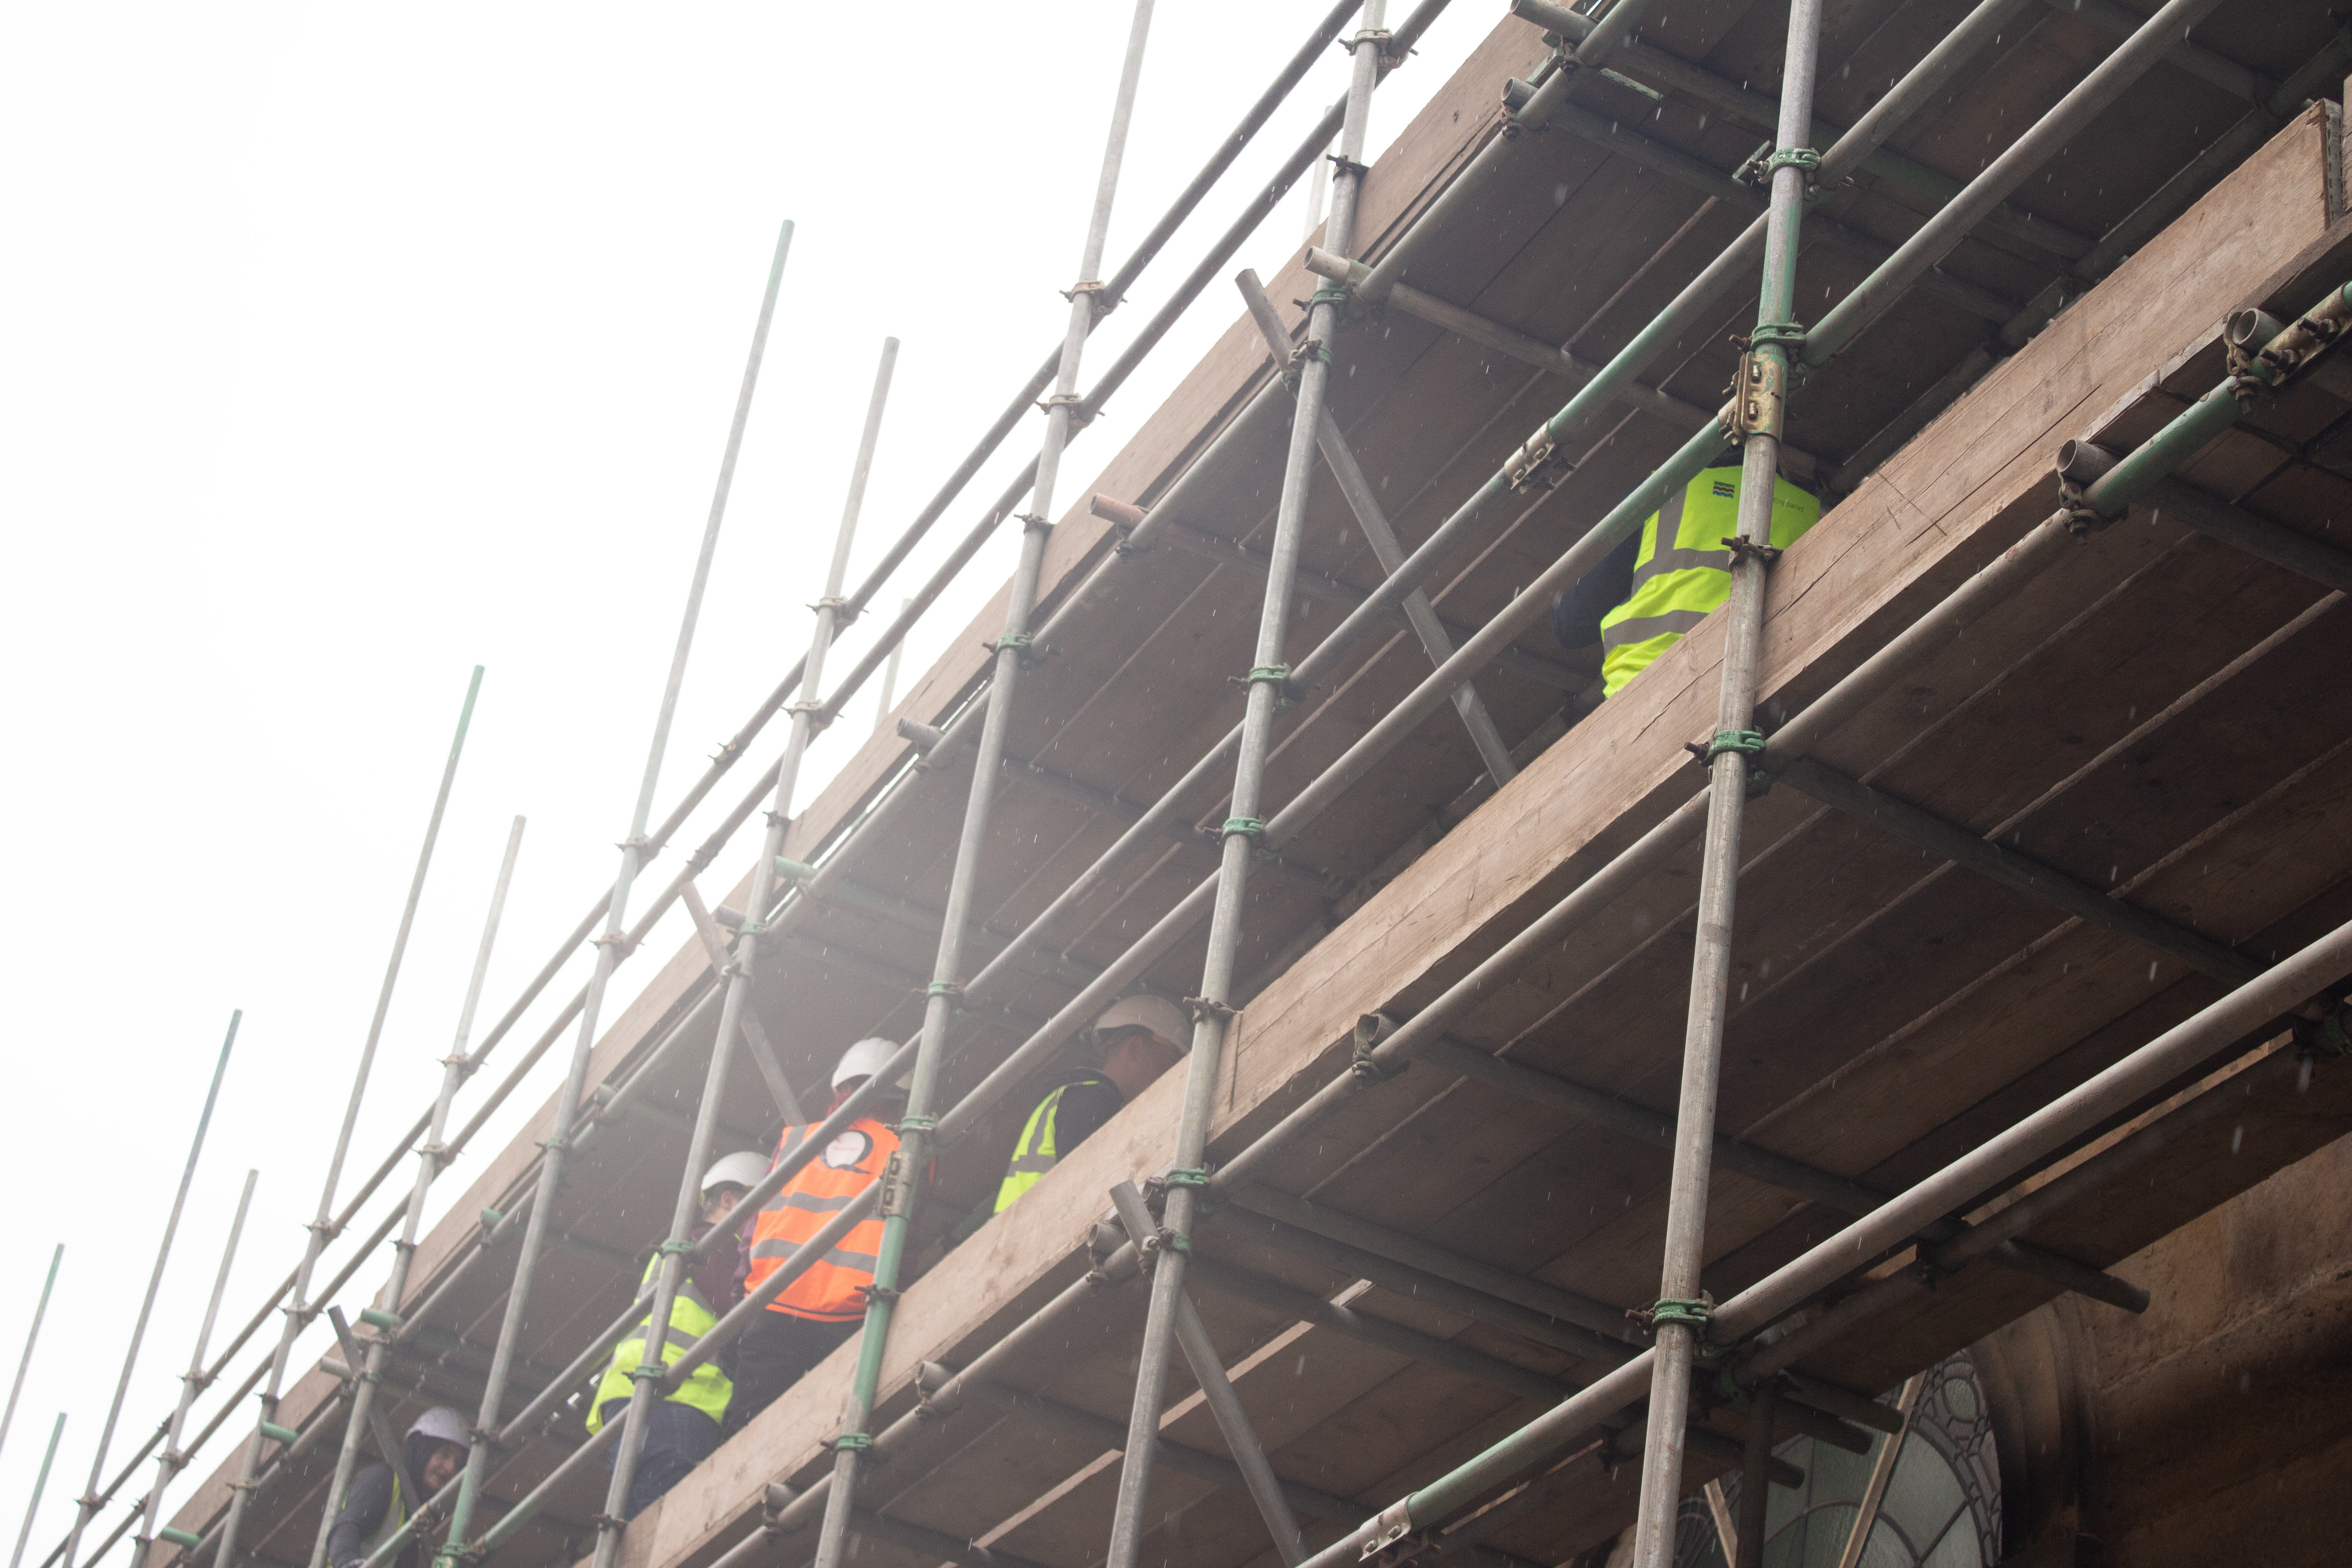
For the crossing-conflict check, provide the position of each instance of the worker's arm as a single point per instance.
(363, 1508)
(1576, 614)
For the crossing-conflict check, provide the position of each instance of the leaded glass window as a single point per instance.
(1942, 1508)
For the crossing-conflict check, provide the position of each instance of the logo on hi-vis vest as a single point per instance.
(849, 1150)
(1724, 488)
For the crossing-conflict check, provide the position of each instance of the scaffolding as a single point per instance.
(1686, 1346)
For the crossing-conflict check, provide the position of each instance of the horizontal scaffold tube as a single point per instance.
(1838, 1194)
(1946, 58)
(1461, 193)
(1403, 575)
(1228, 149)
(730, 752)
(2244, 1011)
(588, 1360)
(1682, 315)
(2110, 495)
(1936, 238)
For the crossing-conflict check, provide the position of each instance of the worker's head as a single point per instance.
(860, 1062)
(724, 1184)
(1139, 1039)
(436, 1447)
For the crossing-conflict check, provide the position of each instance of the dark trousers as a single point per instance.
(773, 1354)
(677, 1438)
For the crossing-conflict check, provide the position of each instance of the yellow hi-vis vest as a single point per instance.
(394, 1515)
(1684, 572)
(1037, 1150)
(706, 1388)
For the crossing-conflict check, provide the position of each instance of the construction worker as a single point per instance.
(682, 1429)
(433, 1451)
(1135, 1040)
(1640, 601)
(824, 1305)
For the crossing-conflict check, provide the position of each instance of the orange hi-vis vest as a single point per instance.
(830, 1291)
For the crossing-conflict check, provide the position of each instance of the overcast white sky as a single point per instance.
(344, 348)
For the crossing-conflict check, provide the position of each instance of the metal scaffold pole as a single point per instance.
(40, 1484)
(1243, 828)
(890, 640)
(87, 1504)
(32, 1338)
(456, 1547)
(902, 1181)
(299, 1309)
(2255, 1005)
(431, 1155)
(1756, 419)
(172, 1460)
(646, 1391)
(1625, 1386)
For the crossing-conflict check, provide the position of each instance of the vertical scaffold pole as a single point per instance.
(902, 1177)
(170, 1461)
(1680, 1317)
(644, 1390)
(454, 1546)
(87, 1504)
(299, 1309)
(1266, 678)
(455, 1067)
(40, 1484)
(1755, 1484)
(32, 1338)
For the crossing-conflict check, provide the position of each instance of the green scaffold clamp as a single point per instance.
(1274, 675)
(1691, 1314)
(1313, 348)
(1748, 744)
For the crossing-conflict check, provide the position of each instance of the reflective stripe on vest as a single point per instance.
(830, 1289)
(1683, 571)
(706, 1388)
(394, 1516)
(1040, 1147)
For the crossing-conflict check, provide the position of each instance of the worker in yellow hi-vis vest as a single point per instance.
(682, 1429)
(1136, 1040)
(1661, 582)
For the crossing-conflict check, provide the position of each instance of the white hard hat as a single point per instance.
(865, 1059)
(442, 1425)
(1163, 1018)
(743, 1169)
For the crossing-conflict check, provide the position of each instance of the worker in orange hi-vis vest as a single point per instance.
(824, 1305)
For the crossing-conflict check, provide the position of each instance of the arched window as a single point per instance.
(1942, 1508)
